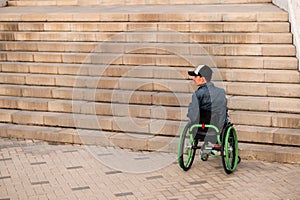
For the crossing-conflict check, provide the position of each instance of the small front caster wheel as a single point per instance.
(204, 156)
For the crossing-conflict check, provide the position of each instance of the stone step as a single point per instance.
(171, 72)
(148, 84)
(153, 126)
(160, 37)
(143, 110)
(271, 153)
(262, 62)
(148, 13)
(266, 119)
(93, 122)
(154, 48)
(156, 72)
(263, 89)
(268, 135)
(149, 111)
(55, 134)
(254, 75)
(115, 83)
(264, 104)
(90, 109)
(249, 62)
(122, 2)
(94, 108)
(121, 27)
(98, 95)
(138, 96)
(268, 153)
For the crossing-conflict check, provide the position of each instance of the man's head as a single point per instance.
(201, 74)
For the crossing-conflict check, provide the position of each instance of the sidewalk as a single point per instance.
(37, 170)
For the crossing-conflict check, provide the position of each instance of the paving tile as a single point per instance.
(69, 151)
(74, 167)
(80, 188)
(123, 194)
(38, 163)
(59, 179)
(113, 172)
(154, 177)
(142, 158)
(197, 182)
(5, 159)
(4, 177)
(40, 182)
(105, 154)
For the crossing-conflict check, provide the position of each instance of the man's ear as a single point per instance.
(204, 79)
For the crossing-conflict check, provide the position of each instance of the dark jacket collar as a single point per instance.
(208, 84)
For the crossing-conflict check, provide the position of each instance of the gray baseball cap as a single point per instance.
(202, 70)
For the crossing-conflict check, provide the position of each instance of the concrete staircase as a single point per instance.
(117, 75)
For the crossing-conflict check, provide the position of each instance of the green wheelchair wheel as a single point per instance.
(229, 150)
(186, 149)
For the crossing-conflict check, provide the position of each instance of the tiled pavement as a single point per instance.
(38, 170)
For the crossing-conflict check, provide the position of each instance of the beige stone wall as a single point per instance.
(293, 7)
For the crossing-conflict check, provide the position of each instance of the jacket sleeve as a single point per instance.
(193, 110)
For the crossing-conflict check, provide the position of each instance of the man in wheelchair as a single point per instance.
(208, 123)
(208, 105)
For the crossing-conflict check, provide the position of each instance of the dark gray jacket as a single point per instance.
(208, 106)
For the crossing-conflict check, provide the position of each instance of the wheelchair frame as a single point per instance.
(227, 140)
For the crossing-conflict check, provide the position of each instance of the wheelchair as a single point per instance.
(226, 146)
